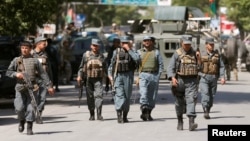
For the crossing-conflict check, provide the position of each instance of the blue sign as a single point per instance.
(80, 18)
(130, 2)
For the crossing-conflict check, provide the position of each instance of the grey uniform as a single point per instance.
(149, 77)
(212, 69)
(44, 60)
(124, 79)
(22, 100)
(187, 87)
(92, 69)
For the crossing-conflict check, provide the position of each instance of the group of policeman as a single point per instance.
(188, 71)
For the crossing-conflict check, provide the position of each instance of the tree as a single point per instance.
(21, 17)
(96, 15)
(238, 12)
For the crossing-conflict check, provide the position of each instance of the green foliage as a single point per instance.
(19, 17)
(238, 12)
(98, 15)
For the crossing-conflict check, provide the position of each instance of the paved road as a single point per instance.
(65, 121)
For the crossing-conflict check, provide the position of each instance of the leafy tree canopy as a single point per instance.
(238, 11)
(19, 17)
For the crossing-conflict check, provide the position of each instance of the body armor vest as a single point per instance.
(27, 65)
(210, 64)
(150, 65)
(94, 66)
(188, 64)
(124, 62)
(43, 59)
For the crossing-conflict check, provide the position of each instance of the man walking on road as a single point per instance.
(92, 70)
(116, 44)
(121, 74)
(149, 74)
(183, 73)
(212, 69)
(40, 53)
(26, 63)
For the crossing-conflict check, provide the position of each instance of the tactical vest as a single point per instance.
(43, 59)
(150, 65)
(94, 66)
(27, 65)
(210, 64)
(125, 62)
(188, 64)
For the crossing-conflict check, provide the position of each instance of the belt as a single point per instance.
(149, 71)
(187, 76)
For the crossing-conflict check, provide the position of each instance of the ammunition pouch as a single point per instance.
(21, 88)
(210, 66)
(188, 66)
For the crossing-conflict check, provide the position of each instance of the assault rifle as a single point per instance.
(30, 87)
(80, 91)
(115, 73)
(82, 83)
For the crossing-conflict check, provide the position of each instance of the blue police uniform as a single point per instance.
(123, 64)
(149, 74)
(211, 70)
(42, 94)
(22, 101)
(183, 66)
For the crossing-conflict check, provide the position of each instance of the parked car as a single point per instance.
(8, 50)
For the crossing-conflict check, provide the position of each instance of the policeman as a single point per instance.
(53, 55)
(212, 69)
(182, 72)
(40, 53)
(149, 74)
(116, 44)
(93, 70)
(121, 72)
(26, 63)
(66, 56)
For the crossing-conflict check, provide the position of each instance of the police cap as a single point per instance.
(210, 40)
(186, 39)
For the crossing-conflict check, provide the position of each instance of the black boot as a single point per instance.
(21, 126)
(39, 118)
(99, 113)
(149, 115)
(180, 122)
(125, 114)
(206, 113)
(92, 115)
(29, 128)
(144, 110)
(119, 116)
(192, 125)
